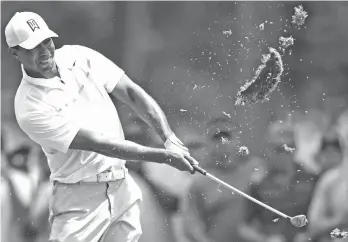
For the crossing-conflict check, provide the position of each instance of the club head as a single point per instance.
(299, 220)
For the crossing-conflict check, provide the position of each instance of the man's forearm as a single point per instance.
(148, 109)
(128, 150)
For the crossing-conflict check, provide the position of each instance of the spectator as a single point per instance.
(22, 187)
(212, 213)
(328, 209)
(6, 205)
(37, 224)
(287, 188)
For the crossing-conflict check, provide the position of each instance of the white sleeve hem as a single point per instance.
(72, 134)
(112, 84)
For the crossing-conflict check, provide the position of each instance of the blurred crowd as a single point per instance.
(303, 172)
(192, 57)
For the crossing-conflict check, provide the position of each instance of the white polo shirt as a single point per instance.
(51, 111)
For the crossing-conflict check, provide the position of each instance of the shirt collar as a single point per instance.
(49, 82)
(61, 61)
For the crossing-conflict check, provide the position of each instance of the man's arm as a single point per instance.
(320, 222)
(144, 105)
(120, 86)
(61, 133)
(90, 140)
(324, 227)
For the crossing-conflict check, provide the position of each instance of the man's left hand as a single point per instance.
(174, 144)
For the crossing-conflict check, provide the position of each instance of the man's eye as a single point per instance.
(46, 41)
(223, 135)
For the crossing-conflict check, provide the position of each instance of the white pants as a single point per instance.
(96, 212)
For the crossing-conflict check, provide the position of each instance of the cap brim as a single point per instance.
(35, 40)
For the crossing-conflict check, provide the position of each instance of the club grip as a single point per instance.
(200, 170)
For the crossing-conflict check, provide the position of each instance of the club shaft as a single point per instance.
(246, 195)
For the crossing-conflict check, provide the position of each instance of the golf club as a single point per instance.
(298, 221)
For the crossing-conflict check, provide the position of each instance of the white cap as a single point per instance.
(27, 30)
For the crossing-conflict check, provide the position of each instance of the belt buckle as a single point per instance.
(118, 174)
(104, 177)
(112, 175)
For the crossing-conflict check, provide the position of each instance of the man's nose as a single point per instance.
(42, 48)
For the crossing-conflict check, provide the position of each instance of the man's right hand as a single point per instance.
(180, 161)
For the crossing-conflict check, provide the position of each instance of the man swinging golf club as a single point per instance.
(63, 104)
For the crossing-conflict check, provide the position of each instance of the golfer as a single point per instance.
(63, 104)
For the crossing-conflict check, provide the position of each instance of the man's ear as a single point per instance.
(13, 51)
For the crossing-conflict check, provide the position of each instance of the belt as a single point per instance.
(109, 175)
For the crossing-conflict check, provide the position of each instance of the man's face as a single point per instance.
(329, 156)
(39, 62)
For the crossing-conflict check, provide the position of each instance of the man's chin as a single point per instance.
(48, 72)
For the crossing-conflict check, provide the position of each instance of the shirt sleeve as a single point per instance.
(320, 197)
(50, 130)
(107, 72)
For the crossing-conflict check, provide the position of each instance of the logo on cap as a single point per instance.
(33, 25)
